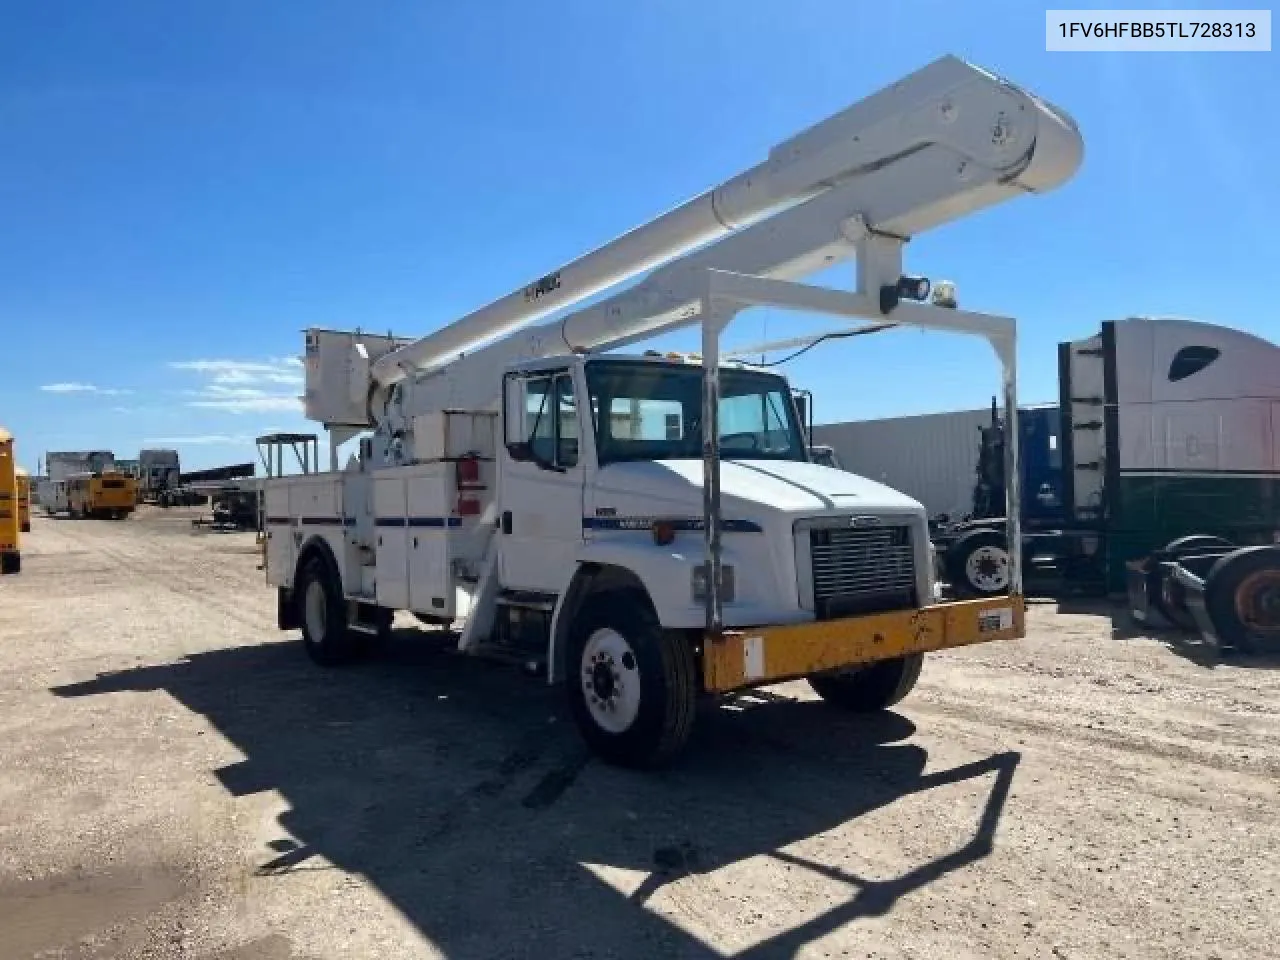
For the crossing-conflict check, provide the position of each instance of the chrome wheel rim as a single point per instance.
(987, 568)
(610, 679)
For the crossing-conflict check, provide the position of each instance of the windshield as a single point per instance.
(653, 411)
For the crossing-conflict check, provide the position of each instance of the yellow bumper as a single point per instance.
(760, 655)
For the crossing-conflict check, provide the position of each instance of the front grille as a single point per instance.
(862, 571)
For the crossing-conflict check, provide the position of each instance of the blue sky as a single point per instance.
(185, 187)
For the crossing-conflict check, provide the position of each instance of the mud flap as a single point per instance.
(286, 610)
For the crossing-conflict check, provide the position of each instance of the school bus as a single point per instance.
(104, 494)
(10, 553)
(23, 488)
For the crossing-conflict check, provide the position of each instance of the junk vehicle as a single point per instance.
(647, 530)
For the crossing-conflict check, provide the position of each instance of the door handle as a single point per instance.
(506, 521)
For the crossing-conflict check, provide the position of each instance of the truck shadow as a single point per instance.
(464, 796)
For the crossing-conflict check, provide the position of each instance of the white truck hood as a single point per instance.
(784, 486)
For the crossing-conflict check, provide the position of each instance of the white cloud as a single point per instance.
(249, 404)
(283, 370)
(75, 387)
(245, 386)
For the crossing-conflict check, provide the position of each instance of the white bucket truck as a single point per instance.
(649, 530)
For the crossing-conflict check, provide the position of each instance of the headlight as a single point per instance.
(699, 580)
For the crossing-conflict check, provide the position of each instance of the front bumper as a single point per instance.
(762, 655)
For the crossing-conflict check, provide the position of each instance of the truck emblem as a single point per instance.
(863, 521)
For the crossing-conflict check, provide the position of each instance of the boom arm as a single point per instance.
(947, 140)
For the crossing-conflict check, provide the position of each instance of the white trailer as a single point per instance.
(931, 457)
(647, 530)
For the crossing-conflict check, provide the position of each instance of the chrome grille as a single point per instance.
(862, 570)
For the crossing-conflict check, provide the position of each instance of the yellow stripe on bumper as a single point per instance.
(759, 655)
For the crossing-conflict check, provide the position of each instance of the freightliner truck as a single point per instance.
(648, 530)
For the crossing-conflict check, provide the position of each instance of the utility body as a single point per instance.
(649, 529)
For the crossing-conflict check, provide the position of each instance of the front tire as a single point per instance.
(632, 686)
(869, 689)
(322, 611)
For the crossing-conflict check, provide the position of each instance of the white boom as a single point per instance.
(946, 140)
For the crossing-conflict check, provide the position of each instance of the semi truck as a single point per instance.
(648, 530)
(1165, 443)
(10, 535)
(158, 471)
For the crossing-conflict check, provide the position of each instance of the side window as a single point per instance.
(542, 412)
(1190, 360)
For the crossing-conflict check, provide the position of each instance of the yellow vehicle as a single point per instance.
(104, 494)
(24, 498)
(10, 554)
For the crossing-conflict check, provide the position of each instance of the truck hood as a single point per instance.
(746, 486)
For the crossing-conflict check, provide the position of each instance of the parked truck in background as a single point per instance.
(60, 466)
(649, 530)
(158, 471)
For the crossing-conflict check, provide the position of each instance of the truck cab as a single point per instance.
(801, 540)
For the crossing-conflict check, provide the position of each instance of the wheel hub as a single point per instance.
(610, 680)
(1258, 601)
(988, 568)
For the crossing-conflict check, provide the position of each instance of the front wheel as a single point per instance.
(869, 689)
(632, 686)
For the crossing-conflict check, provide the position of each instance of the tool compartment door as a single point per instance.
(281, 543)
(391, 541)
(430, 523)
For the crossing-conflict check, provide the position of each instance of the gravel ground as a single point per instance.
(177, 780)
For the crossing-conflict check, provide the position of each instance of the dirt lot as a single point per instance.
(177, 780)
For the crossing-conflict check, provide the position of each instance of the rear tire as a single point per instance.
(1242, 598)
(869, 689)
(322, 612)
(632, 686)
(10, 563)
(978, 564)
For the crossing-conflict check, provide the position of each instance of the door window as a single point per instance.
(548, 418)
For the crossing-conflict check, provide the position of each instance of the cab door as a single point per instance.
(541, 482)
